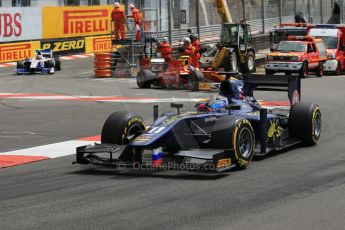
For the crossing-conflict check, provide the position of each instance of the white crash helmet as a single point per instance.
(130, 6)
(116, 4)
(186, 40)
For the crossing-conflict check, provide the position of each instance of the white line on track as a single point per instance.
(66, 58)
(26, 100)
(24, 132)
(80, 56)
(52, 150)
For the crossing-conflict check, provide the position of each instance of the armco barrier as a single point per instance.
(102, 63)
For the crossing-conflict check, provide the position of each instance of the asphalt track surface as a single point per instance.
(302, 188)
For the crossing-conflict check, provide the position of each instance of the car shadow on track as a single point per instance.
(166, 174)
(280, 152)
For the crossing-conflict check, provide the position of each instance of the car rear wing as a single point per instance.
(262, 82)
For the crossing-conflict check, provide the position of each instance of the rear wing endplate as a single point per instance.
(262, 82)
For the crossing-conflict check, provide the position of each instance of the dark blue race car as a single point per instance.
(217, 134)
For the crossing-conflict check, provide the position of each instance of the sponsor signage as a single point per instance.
(62, 22)
(18, 51)
(66, 46)
(97, 44)
(20, 23)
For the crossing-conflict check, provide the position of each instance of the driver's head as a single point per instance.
(217, 103)
(38, 55)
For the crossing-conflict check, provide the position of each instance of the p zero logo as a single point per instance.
(97, 44)
(64, 47)
(85, 21)
(17, 51)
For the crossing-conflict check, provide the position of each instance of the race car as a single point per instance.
(43, 62)
(219, 133)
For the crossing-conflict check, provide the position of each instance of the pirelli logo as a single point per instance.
(85, 21)
(101, 44)
(12, 52)
(98, 44)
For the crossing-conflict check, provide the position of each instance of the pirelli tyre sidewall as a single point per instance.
(120, 125)
(305, 122)
(232, 132)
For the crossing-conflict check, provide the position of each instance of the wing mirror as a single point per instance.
(177, 106)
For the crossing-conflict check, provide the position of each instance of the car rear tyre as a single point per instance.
(319, 72)
(144, 78)
(122, 127)
(305, 122)
(249, 65)
(232, 132)
(194, 79)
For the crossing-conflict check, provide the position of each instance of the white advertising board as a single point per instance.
(20, 23)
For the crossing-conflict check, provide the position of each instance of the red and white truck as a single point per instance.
(334, 38)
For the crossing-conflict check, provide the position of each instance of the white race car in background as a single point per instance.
(44, 62)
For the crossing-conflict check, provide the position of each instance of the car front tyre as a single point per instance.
(232, 132)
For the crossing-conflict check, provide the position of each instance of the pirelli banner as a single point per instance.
(18, 51)
(97, 44)
(66, 22)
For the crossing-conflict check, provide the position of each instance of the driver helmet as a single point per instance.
(186, 40)
(217, 103)
(116, 4)
(39, 55)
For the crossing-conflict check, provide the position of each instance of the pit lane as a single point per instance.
(297, 189)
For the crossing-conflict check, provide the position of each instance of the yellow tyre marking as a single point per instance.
(316, 110)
